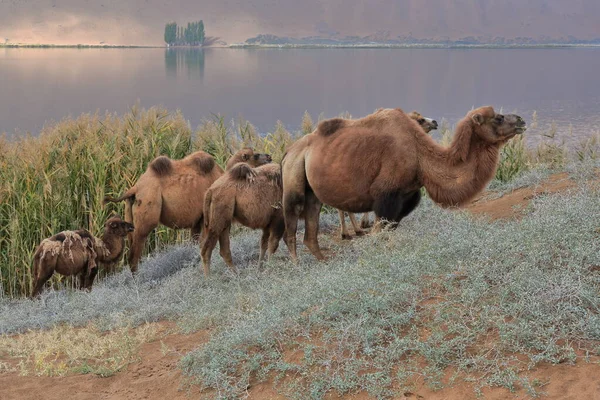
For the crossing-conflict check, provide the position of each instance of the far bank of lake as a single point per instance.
(266, 85)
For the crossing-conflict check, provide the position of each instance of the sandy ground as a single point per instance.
(156, 376)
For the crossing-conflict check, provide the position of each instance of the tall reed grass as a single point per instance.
(57, 180)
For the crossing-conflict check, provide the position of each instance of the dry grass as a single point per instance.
(63, 350)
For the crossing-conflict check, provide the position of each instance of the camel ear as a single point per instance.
(477, 118)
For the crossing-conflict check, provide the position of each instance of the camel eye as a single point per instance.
(245, 157)
(500, 119)
(421, 121)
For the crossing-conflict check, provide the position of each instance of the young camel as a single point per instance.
(250, 196)
(428, 125)
(78, 253)
(380, 162)
(171, 192)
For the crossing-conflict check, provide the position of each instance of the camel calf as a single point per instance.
(428, 125)
(247, 155)
(250, 196)
(78, 253)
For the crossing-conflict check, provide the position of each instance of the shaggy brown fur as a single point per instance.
(170, 192)
(250, 196)
(380, 162)
(247, 155)
(78, 253)
(428, 125)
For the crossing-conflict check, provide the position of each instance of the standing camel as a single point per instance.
(250, 196)
(171, 192)
(428, 125)
(380, 162)
(78, 253)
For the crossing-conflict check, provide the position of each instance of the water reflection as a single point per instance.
(267, 85)
(188, 61)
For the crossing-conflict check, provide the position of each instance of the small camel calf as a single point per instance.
(247, 155)
(250, 196)
(78, 253)
(428, 125)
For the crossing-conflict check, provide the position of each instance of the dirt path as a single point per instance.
(156, 376)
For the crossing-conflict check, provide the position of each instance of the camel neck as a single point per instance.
(114, 247)
(454, 175)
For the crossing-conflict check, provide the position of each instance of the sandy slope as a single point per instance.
(141, 22)
(156, 376)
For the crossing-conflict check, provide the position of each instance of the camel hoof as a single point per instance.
(365, 225)
(346, 237)
(360, 233)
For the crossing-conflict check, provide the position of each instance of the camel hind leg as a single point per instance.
(293, 207)
(295, 184)
(357, 229)
(343, 230)
(210, 241)
(264, 244)
(43, 270)
(364, 221)
(276, 232)
(312, 211)
(225, 249)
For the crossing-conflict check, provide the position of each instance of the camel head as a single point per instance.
(248, 155)
(427, 124)
(492, 127)
(116, 226)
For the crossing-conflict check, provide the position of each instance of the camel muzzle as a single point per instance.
(520, 124)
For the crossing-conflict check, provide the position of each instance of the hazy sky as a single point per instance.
(142, 21)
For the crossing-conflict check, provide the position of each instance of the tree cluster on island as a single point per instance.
(191, 35)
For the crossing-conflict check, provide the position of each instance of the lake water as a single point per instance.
(267, 85)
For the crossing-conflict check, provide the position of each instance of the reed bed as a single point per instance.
(57, 181)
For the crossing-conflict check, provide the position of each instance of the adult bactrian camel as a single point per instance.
(380, 162)
(171, 192)
(428, 125)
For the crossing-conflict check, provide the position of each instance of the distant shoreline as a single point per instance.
(310, 46)
(407, 46)
(75, 46)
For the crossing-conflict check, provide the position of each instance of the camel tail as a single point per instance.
(127, 195)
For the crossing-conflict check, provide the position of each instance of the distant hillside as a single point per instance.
(142, 21)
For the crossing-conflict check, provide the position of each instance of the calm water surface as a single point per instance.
(267, 85)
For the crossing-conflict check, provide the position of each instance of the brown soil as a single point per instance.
(156, 376)
(513, 204)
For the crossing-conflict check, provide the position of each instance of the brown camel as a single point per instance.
(428, 125)
(171, 192)
(250, 196)
(380, 162)
(78, 253)
(248, 156)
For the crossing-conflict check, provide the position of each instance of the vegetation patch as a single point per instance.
(63, 350)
